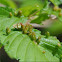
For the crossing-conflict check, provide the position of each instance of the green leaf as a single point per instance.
(20, 46)
(55, 28)
(32, 2)
(8, 3)
(29, 10)
(29, 7)
(1, 46)
(43, 15)
(61, 43)
(6, 21)
(56, 2)
(37, 32)
(59, 52)
(9, 22)
(50, 43)
(6, 10)
(40, 18)
(53, 45)
(50, 11)
(3, 11)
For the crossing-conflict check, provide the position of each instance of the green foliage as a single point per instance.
(1, 46)
(31, 2)
(56, 2)
(9, 22)
(6, 10)
(27, 11)
(37, 7)
(48, 10)
(30, 7)
(20, 46)
(8, 3)
(53, 45)
(59, 53)
(55, 28)
(50, 43)
(40, 18)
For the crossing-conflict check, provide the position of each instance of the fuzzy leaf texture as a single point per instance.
(51, 44)
(20, 46)
(7, 21)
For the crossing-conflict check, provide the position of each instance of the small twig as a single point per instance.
(45, 24)
(33, 14)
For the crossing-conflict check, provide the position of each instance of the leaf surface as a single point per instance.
(8, 3)
(20, 46)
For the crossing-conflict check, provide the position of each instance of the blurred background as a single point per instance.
(42, 15)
